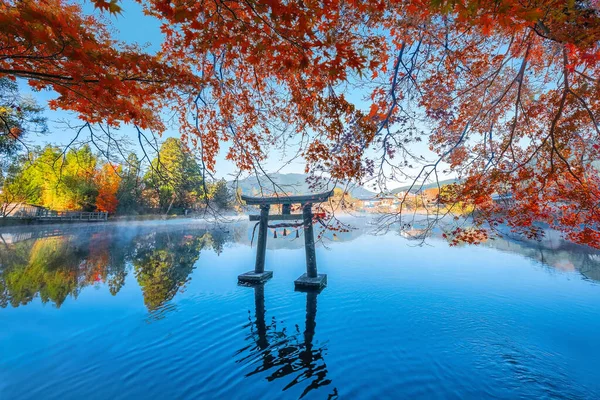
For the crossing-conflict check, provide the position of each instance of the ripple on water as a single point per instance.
(418, 328)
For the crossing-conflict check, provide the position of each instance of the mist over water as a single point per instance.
(153, 310)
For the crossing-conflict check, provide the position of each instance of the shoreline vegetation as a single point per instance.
(48, 180)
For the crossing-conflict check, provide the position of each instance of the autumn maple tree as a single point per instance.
(505, 92)
(108, 181)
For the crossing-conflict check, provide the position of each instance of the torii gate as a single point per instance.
(311, 279)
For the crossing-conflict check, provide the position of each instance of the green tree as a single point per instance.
(18, 116)
(130, 189)
(38, 178)
(220, 195)
(53, 180)
(78, 177)
(15, 189)
(174, 178)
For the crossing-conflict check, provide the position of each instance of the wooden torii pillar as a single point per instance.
(311, 279)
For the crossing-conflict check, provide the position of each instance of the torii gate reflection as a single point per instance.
(283, 353)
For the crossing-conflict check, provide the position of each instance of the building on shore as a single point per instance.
(20, 210)
(505, 200)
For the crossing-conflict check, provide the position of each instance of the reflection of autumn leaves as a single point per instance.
(50, 271)
(157, 278)
(163, 266)
(105, 262)
(55, 268)
(466, 236)
(564, 265)
(164, 262)
(98, 259)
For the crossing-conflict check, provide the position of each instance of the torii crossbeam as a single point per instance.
(311, 279)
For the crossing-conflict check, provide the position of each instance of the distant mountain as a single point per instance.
(291, 183)
(427, 186)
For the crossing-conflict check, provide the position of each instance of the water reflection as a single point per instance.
(163, 263)
(434, 324)
(554, 253)
(57, 267)
(551, 251)
(61, 263)
(55, 263)
(282, 354)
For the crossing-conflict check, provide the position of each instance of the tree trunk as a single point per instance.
(169, 208)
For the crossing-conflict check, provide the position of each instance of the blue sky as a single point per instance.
(132, 26)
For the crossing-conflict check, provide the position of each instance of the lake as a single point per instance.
(153, 310)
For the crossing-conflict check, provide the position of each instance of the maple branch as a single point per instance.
(35, 74)
(273, 28)
(557, 117)
(519, 78)
(204, 169)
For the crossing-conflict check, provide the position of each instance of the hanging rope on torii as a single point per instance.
(316, 217)
(311, 279)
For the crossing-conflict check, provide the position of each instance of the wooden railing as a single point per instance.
(71, 215)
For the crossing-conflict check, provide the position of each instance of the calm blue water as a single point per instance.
(154, 311)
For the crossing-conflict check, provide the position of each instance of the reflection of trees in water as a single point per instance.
(58, 264)
(558, 254)
(282, 353)
(552, 251)
(106, 261)
(163, 263)
(48, 268)
(57, 267)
